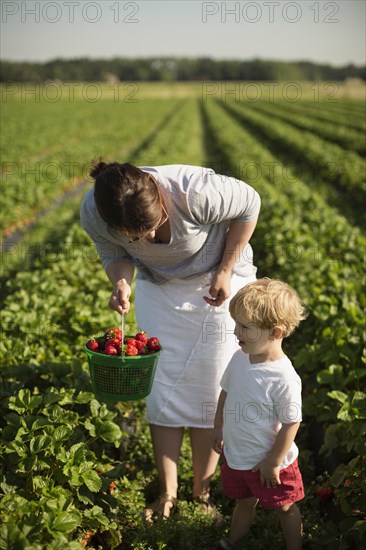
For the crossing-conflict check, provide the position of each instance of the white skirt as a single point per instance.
(198, 342)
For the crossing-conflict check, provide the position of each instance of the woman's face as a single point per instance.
(150, 236)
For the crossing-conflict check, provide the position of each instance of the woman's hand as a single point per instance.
(120, 297)
(220, 288)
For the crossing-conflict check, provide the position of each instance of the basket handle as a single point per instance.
(123, 337)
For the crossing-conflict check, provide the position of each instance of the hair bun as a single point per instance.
(98, 168)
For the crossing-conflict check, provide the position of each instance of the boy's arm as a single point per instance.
(218, 423)
(270, 466)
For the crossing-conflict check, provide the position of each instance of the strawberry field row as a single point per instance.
(328, 160)
(321, 258)
(353, 119)
(347, 138)
(31, 182)
(181, 137)
(294, 170)
(349, 107)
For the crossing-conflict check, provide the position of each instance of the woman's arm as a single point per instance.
(237, 237)
(120, 274)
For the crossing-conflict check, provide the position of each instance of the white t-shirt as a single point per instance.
(260, 398)
(200, 205)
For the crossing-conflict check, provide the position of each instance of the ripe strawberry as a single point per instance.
(110, 350)
(113, 333)
(92, 344)
(131, 342)
(142, 348)
(113, 342)
(324, 493)
(153, 344)
(141, 336)
(85, 541)
(130, 350)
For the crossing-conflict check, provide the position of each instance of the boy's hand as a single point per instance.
(269, 474)
(217, 443)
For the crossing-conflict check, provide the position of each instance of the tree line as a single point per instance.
(173, 69)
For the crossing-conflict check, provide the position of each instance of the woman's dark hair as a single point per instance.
(127, 198)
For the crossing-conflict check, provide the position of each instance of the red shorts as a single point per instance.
(242, 484)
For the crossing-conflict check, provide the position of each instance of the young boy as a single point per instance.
(259, 412)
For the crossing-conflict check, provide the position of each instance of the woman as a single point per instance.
(186, 230)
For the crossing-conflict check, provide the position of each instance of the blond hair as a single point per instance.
(267, 303)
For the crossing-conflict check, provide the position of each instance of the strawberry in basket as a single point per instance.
(112, 343)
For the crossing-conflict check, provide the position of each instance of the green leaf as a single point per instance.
(83, 397)
(96, 513)
(40, 443)
(359, 404)
(108, 431)
(339, 475)
(85, 496)
(94, 407)
(61, 543)
(11, 537)
(344, 413)
(13, 419)
(338, 395)
(75, 476)
(105, 413)
(332, 376)
(90, 426)
(40, 422)
(77, 453)
(65, 522)
(92, 481)
(61, 433)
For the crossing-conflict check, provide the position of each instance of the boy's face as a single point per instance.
(252, 339)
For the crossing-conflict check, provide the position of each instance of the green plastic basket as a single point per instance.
(114, 379)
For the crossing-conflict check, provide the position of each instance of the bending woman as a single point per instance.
(186, 230)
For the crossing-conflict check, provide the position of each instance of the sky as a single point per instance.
(315, 30)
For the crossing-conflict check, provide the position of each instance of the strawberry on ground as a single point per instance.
(85, 540)
(325, 493)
